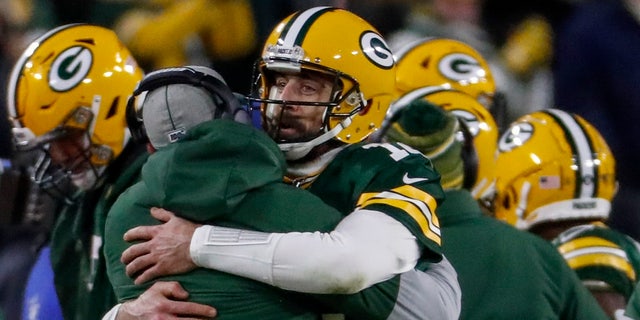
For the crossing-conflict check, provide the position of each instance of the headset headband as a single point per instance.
(230, 108)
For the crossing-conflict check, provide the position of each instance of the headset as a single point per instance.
(230, 108)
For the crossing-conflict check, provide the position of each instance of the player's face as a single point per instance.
(299, 123)
(71, 153)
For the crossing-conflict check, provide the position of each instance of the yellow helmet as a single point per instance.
(552, 166)
(338, 43)
(604, 259)
(447, 62)
(479, 154)
(76, 76)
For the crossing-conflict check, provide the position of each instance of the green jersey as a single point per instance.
(505, 273)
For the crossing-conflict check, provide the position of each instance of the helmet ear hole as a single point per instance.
(113, 109)
(510, 199)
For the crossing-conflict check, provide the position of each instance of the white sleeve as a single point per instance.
(365, 248)
(113, 313)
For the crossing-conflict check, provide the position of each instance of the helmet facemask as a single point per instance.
(82, 169)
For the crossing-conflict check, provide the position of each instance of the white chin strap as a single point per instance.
(297, 150)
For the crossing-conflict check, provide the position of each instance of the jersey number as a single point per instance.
(396, 153)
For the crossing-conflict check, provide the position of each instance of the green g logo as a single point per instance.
(470, 119)
(69, 68)
(460, 67)
(376, 50)
(515, 136)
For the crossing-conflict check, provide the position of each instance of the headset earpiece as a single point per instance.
(134, 121)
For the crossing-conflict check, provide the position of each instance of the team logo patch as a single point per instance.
(460, 66)
(516, 136)
(175, 135)
(376, 50)
(69, 68)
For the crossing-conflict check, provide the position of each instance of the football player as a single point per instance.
(66, 97)
(561, 176)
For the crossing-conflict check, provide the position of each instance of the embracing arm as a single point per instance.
(163, 300)
(365, 248)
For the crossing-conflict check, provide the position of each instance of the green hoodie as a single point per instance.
(236, 182)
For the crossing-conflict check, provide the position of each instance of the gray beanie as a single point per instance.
(170, 111)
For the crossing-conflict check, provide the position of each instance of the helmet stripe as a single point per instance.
(582, 149)
(592, 180)
(296, 29)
